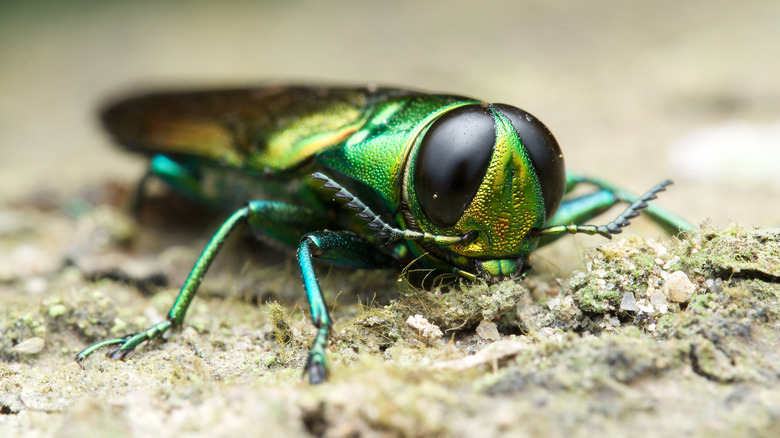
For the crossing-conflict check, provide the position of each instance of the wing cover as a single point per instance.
(254, 129)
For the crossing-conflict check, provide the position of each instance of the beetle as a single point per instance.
(367, 178)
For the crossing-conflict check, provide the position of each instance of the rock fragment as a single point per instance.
(426, 330)
(488, 331)
(628, 303)
(29, 346)
(678, 288)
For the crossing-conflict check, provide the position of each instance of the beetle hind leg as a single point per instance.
(128, 344)
(282, 221)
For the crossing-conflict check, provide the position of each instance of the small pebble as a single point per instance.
(488, 331)
(628, 303)
(424, 328)
(29, 346)
(678, 288)
(646, 308)
(658, 300)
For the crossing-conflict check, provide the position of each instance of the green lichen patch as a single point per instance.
(290, 344)
(714, 294)
(640, 281)
(586, 364)
(731, 331)
(634, 266)
(16, 328)
(735, 251)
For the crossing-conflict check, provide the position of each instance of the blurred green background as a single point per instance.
(630, 89)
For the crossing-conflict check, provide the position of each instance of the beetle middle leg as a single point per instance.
(339, 247)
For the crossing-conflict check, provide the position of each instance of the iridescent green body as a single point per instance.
(461, 186)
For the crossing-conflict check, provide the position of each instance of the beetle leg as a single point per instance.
(283, 221)
(182, 178)
(669, 221)
(173, 173)
(187, 293)
(340, 247)
(588, 206)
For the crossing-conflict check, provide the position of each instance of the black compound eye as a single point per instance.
(544, 152)
(452, 160)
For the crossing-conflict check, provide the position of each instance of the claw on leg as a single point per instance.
(127, 344)
(317, 370)
(317, 363)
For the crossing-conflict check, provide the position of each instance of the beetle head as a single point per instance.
(493, 169)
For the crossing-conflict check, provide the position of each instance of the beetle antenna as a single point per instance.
(614, 227)
(382, 228)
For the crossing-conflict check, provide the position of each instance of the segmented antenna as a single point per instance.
(614, 227)
(382, 228)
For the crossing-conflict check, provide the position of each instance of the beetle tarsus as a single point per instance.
(120, 354)
(317, 372)
(632, 211)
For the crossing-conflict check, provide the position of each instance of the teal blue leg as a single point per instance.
(576, 211)
(285, 220)
(669, 221)
(207, 185)
(180, 177)
(340, 247)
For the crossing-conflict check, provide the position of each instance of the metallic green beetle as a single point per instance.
(367, 178)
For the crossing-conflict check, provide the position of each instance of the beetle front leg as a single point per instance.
(574, 212)
(609, 195)
(571, 213)
(340, 247)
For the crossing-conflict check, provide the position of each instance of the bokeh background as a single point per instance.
(634, 91)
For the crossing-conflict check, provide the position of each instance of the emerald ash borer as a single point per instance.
(365, 178)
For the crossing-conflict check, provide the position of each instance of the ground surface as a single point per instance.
(647, 336)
